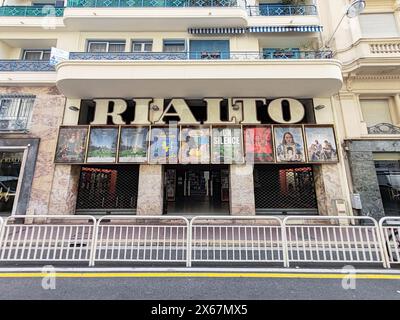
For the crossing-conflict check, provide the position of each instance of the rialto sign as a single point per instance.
(239, 111)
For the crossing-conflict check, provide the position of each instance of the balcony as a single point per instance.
(26, 16)
(31, 11)
(281, 15)
(197, 74)
(282, 10)
(152, 15)
(369, 55)
(201, 55)
(14, 72)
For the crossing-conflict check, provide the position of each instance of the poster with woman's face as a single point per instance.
(164, 145)
(195, 145)
(321, 144)
(71, 145)
(227, 145)
(289, 144)
(133, 145)
(258, 144)
(102, 145)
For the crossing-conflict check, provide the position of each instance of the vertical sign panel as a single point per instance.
(258, 144)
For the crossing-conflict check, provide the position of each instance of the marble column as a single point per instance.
(242, 190)
(150, 192)
(64, 191)
(328, 188)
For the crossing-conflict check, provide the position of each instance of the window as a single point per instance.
(376, 111)
(142, 46)
(106, 46)
(378, 25)
(174, 46)
(10, 167)
(36, 55)
(15, 113)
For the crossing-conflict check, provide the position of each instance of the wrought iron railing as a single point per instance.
(282, 10)
(15, 112)
(204, 55)
(384, 128)
(25, 65)
(31, 11)
(151, 3)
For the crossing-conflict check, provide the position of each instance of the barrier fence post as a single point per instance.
(94, 243)
(189, 245)
(285, 249)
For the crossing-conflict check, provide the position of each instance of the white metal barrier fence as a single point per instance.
(332, 239)
(390, 232)
(47, 238)
(206, 239)
(142, 239)
(231, 239)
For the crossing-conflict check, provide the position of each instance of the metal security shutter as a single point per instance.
(280, 189)
(110, 189)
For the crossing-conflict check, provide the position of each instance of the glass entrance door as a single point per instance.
(194, 190)
(388, 173)
(10, 167)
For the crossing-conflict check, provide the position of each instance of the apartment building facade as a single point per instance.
(198, 107)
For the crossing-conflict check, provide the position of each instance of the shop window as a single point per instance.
(15, 112)
(36, 55)
(174, 46)
(142, 46)
(388, 173)
(375, 25)
(106, 46)
(10, 167)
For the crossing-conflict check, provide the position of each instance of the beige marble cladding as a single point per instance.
(150, 193)
(46, 117)
(64, 190)
(242, 201)
(328, 188)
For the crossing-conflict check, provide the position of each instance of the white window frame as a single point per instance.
(142, 45)
(42, 52)
(107, 42)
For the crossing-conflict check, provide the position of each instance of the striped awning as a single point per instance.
(274, 29)
(285, 29)
(216, 30)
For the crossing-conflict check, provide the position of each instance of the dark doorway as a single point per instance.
(196, 190)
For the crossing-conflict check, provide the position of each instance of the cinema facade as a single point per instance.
(209, 156)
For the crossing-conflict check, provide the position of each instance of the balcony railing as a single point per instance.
(32, 11)
(150, 3)
(282, 10)
(204, 55)
(25, 65)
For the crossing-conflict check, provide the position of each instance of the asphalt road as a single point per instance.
(209, 286)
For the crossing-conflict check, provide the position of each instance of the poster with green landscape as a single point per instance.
(102, 145)
(133, 145)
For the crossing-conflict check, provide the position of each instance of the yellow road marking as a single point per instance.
(199, 275)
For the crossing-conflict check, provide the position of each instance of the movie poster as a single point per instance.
(227, 145)
(258, 144)
(133, 145)
(102, 145)
(289, 144)
(164, 145)
(71, 145)
(321, 144)
(195, 145)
